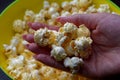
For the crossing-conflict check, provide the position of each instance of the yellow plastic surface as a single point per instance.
(16, 11)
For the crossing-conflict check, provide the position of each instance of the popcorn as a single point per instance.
(29, 15)
(68, 37)
(12, 47)
(16, 62)
(83, 31)
(55, 15)
(51, 10)
(103, 8)
(70, 40)
(19, 26)
(91, 9)
(41, 37)
(65, 5)
(26, 76)
(58, 53)
(35, 75)
(84, 3)
(73, 63)
(46, 4)
(82, 46)
(65, 13)
(74, 9)
(39, 18)
(55, 5)
(69, 28)
(74, 3)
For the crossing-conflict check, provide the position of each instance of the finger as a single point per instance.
(46, 59)
(90, 20)
(28, 37)
(37, 25)
(37, 49)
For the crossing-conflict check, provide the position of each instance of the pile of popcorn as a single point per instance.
(22, 65)
(68, 44)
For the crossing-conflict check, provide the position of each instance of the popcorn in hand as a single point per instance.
(68, 41)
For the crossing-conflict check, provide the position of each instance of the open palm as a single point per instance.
(105, 31)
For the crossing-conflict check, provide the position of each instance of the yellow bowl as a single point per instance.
(16, 11)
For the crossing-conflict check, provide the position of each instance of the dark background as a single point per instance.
(4, 4)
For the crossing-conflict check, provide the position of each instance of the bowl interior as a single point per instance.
(16, 11)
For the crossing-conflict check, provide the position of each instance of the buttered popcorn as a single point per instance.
(68, 37)
(70, 40)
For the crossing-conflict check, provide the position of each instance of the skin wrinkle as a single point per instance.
(95, 61)
(87, 64)
(108, 60)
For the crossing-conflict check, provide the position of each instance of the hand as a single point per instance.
(105, 31)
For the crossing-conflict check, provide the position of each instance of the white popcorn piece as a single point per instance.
(83, 46)
(44, 13)
(31, 31)
(16, 62)
(83, 31)
(50, 73)
(84, 3)
(59, 38)
(35, 75)
(70, 49)
(113, 13)
(65, 13)
(46, 4)
(41, 37)
(74, 13)
(66, 5)
(74, 9)
(91, 9)
(16, 72)
(26, 76)
(82, 42)
(19, 26)
(51, 22)
(55, 15)
(103, 8)
(55, 5)
(29, 15)
(51, 10)
(58, 53)
(31, 64)
(64, 76)
(39, 18)
(14, 42)
(74, 3)
(62, 40)
(69, 28)
(73, 63)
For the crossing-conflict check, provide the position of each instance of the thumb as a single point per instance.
(90, 20)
